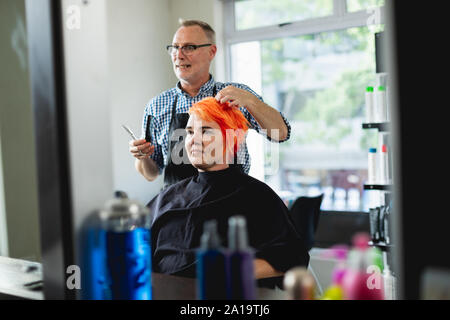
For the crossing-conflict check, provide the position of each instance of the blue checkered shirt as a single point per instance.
(160, 108)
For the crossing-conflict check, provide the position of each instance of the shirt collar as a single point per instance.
(206, 88)
(222, 177)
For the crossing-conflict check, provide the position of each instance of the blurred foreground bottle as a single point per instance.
(126, 227)
(241, 275)
(363, 279)
(93, 280)
(335, 290)
(299, 284)
(212, 265)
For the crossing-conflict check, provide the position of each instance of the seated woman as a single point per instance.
(219, 191)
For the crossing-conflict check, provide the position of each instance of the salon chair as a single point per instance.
(305, 212)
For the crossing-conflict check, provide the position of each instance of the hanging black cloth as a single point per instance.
(179, 212)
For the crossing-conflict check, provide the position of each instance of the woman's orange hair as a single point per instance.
(228, 118)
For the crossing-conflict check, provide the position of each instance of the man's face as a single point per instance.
(204, 144)
(193, 67)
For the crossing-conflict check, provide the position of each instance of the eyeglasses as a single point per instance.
(187, 49)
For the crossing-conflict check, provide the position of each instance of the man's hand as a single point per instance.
(236, 97)
(141, 149)
(267, 117)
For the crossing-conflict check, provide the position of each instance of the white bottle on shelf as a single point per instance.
(372, 167)
(389, 281)
(380, 105)
(370, 105)
(384, 166)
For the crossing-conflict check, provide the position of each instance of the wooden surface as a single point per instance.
(14, 279)
(166, 287)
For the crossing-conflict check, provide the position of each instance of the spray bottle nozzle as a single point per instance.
(237, 233)
(210, 238)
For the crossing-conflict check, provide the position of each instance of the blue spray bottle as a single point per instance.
(126, 228)
(211, 265)
(241, 280)
(93, 285)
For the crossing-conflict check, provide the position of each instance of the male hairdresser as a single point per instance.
(192, 50)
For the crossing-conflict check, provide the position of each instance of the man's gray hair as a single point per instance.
(210, 33)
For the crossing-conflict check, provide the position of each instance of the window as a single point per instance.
(259, 13)
(357, 5)
(316, 73)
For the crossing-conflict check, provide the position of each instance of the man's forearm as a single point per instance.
(148, 168)
(269, 119)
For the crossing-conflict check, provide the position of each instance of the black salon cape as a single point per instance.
(179, 212)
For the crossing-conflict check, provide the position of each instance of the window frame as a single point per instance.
(339, 20)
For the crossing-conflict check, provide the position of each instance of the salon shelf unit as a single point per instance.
(381, 187)
(381, 126)
(384, 247)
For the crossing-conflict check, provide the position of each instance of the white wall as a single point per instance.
(88, 112)
(139, 69)
(209, 11)
(4, 250)
(115, 63)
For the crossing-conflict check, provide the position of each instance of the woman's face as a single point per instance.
(204, 144)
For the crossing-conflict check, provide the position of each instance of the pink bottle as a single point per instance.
(341, 253)
(363, 279)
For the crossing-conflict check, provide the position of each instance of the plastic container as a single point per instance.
(363, 279)
(212, 268)
(375, 258)
(370, 105)
(374, 214)
(93, 285)
(387, 225)
(126, 228)
(372, 166)
(389, 282)
(335, 290)
(384, 165)
(380, 105)
(241, 276)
